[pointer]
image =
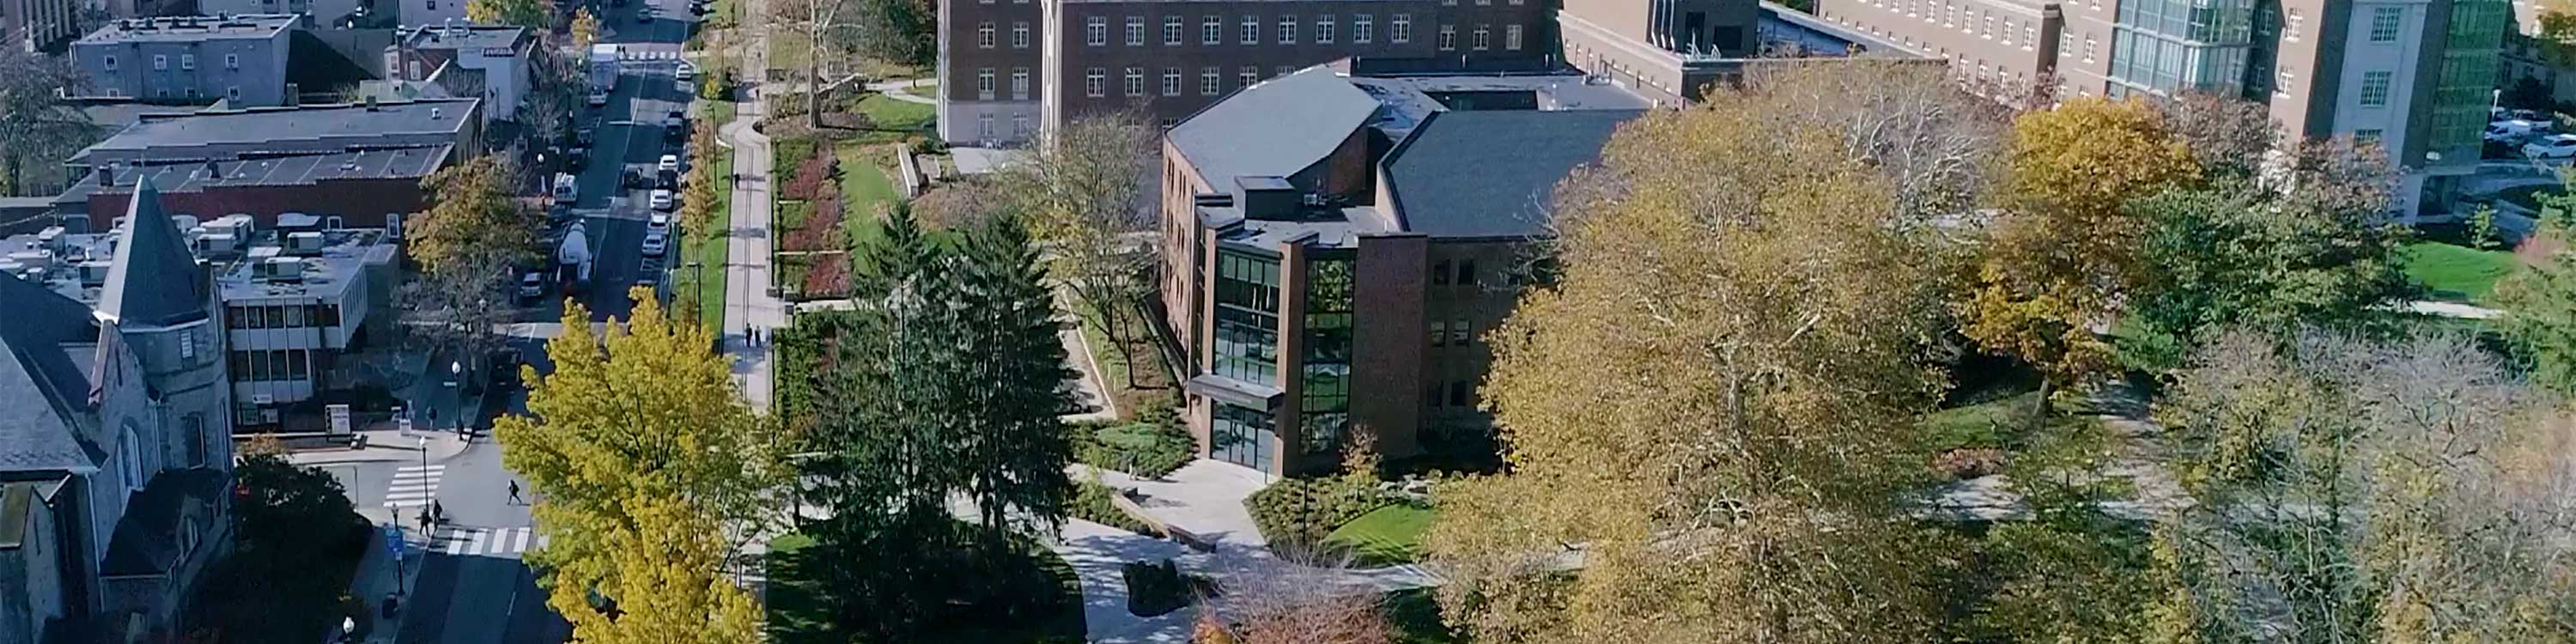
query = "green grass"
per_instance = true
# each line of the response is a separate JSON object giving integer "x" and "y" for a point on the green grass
{"x": 795, "y": 610}
{"x": 1131, "y": 389}
{"x": 1385, "y": 536}
{"x": 709, "y": 247}
{"x": 865, "y": 189}
{"x": 1980, "y": 425}
{"x": 2456, "y": 273}
{"x": 891, "y": 114}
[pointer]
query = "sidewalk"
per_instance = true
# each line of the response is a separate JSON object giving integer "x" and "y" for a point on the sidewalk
{"x": 376, "y": 579}
{"x": 385, "y": 445}
{"x": 749, "y": 302}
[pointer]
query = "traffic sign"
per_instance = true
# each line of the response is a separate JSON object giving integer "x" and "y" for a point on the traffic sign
{"x": 394, "y": 542}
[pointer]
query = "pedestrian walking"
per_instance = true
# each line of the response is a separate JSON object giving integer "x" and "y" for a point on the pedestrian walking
{"x": 514, "y": 493}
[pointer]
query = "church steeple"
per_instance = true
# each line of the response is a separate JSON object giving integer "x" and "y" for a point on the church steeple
{"x": 154, "y": 280}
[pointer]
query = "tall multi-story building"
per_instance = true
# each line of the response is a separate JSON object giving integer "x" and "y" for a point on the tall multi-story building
{"x": 39, "y": 25}
{"x": 1334, "y": 243}
{"x": 2414, "y": 76}
{"x": 191, "y": 59}
{"x": 1009, "y": 67}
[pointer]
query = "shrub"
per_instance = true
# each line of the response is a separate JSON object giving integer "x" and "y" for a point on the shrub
{"x": 1154, "y": 588}
{"x": 828, "y": 278}
{"x": 1295, "y": 514}
{"x": 1091, "y": 502}
{"x": 1964, "y": 464}
{"x": 1143, "y": 450}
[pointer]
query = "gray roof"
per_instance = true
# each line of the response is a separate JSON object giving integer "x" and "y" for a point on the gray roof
{"x": 147, "y": 537}
{"x": 154, "y": 280}
{"x": 306, "y": 128}
{"x": 191, "y": 28}
{"x": 1492, "y": 173}
{"x": 287, "y": 170}
{"x": 1275, "y": 128}
{"x": 42, "y": 385}
{"x": 465, "y": 37}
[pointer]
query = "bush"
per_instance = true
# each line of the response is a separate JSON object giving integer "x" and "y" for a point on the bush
{"x": 1964, "y": 464}
{"x": 1143, "y": 450}
{"x": 1154, "y": 588}
{"x": 1295, "y": 514}
{"x": 1092, "y": 502}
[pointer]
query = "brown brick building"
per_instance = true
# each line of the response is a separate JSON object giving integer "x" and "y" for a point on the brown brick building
{"x": 1009, "y": 67}
{"x": 1335, "y": 244}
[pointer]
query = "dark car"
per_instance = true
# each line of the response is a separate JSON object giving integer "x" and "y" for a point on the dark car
{"x": 505, "y": 367}
{"x": 636, "y": 180}
{"x": 667, "y": 179}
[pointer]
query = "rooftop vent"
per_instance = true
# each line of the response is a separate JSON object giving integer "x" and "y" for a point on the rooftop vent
{"x": 1265, "y": 197}
{"x": 93, "y": 273}
{"x": 304, "y": 243}
{"x": 435, "y": 113}
{"x": 287, "y": 270}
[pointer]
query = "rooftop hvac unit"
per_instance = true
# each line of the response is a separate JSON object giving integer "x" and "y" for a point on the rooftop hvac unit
{"x": 93, "y": 273}
{"x": 283, "y": 269}
{"x": 304, "y": 243}
{"x": 51, "y": 238}
{"x": 38, "y": 259}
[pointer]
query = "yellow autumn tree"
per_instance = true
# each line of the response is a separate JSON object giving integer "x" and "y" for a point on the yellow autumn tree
{"x": 1708, "y": 415}
{"x": 648, "y": 468}
{"x": 585, "y": 29}
{"x": 474, "y": 221}
{"x": 2064, "y": 247}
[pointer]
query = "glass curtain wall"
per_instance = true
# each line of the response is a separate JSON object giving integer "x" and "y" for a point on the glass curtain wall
{"x": 1325, "y": 402}
{"x": 1242, "y": 435}
{"x": 2471, "y": 47}
{"x": 2170, "y": 46}
{"x": 1247, "y": 318}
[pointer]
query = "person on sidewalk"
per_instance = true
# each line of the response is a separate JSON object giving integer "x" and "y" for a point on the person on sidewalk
{"x": 514, "y": 494}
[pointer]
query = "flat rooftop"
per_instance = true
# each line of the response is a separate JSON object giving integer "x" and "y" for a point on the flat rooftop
{"x": 305, "y": 128}
{"x": 344, "y": 257}
{"x": 465, "y": 37}
{"x": 192, "y": 28}
{"x": 75, "y": 264}
{"x": 288, "y": 170}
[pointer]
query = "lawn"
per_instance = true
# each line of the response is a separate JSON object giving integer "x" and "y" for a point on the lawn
{"x": 1980, "y": 425}
{"x": 891, "y": 114}
{"x": 865, "y": 188}
{"x": 2456, "y": 273}
{"x": 1385, "y": 536}
{"x": 708, "y": 247}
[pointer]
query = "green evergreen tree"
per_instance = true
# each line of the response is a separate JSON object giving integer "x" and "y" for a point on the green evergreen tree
{"x": 1017, "y": 447}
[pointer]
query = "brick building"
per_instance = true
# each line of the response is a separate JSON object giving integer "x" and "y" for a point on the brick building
{"x": 1334, "y": 244}
{"x": 357, "y": 164}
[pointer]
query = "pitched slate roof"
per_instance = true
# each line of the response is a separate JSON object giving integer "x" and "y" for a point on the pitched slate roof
{"x": 1492, "y": 173}
{"x": 147, "y": 537}
{"x": 154, "y": 280}
{"x": 1275, "y": 128}
{"x": 43, "y": 390}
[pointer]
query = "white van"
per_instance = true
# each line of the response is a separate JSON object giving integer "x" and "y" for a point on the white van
{"x": 2509, "y": 131}
{"x": 567, "y": 187}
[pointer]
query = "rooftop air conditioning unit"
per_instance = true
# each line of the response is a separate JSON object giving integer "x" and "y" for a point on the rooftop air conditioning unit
{"x": 284, "y": 269}
{"x": 304, "y": 243}
{"x": 93, "y": 273}
{"x": 38, "y": 259}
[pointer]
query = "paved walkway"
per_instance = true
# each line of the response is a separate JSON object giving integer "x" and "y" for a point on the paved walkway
{"x": 901, "y": 89}
{"x": 749, "y": 302}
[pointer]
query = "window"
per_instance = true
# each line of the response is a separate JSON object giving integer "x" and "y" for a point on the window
{"x": 188, "y": 345}
{"x": 1287, "y": 30}
{"x": 160, "y": 62}
{"x": 1211, "y": 81}
{"x": 1020, "y": 83}
{"x": 1171, "y": 30}
{"x": 2369, "y": 137}
{"x": 984, "y": 35}
{"x": 1324, "y": 29}
{"x": 1135, "y": 31}
{"x": 233, "y": 92}
{"x": 2029, "y": 35}
{"x": 1458, "y": 390}
{"x": 194, "y": 426}
{"x": 1460, "y": 334}
{"x": 1019, "y": 35}
{"x": 1439, "y": 333}
{"x": 1211, "y": 30}
{"x": 2088, "y": 46}
{"x": 1440, "y": 273}
{"x": 1095, "y": 31}
{"x": 2384, "y": 22}
{"x": 1251, "y": 30}
{"x": 1020, "y": 125}
{"x": 1092, "y": 80}
{"x": 984, "y": 83}
{"x": 1171, "y": 81}
{"x": 188, "y": 62}
{"x": 2290, "y": 29}
{"x": 1399, "y": 29}
{"x": 232, "y": 61}
{"x": 1135, "y": 81}
{"x": 1988, "y": 20}
{"x": 1251, "y": 74}
{"x": 1484, "y": 38}
{"x": 2374, "y": 88}
{"x": 1466, "y": 272}
{"x": 1448, "y": 37}
{"x": 1247, "y": 318}
{"x": 1363, "y": 28}
{"x": 109, "y": 64}
{"x": 1282, "y": 70}
{"x": 1512, "y": 37}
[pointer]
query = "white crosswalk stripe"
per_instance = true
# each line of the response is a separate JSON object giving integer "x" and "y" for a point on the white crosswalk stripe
{"x": 486, "y": 541}
{"x": 414, "y": 486}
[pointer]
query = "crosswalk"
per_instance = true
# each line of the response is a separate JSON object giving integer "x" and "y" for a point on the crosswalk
{"x": 460, "y": 540}
{"x": 414, "y": 486}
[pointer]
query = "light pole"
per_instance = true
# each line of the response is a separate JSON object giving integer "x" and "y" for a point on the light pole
{"x": 425, "y": 531}
{"x": 697, "y": 291}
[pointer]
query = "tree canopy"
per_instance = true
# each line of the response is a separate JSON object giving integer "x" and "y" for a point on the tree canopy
{"x": 475, "y": 221}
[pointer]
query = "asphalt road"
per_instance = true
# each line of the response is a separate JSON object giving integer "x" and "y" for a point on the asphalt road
{"x": 630, "y": 136}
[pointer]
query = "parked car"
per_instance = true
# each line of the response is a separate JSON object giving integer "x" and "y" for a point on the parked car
{"x": 567, "y": 187}
{"x": 685, "y": 72}
{"x": 667, "y": 179}
{"x": 655, "y": 243}
{"x": 2511, "y": 130}
{"x": 2555, "y": 146}
{"x": 662, "y": 200}
{"x": 532, "y": 285}
{"x": 660, "y": 222}
{"x": 669, "y": 162}
{"x": 598, "y": 96}
{"x": 635, "y": 180}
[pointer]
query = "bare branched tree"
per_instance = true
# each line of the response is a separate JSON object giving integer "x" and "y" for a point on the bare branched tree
{"x": 1286, "y": 603}
{"x": 1079, "y": 189}
{"x": 2228, "y": 136}
{"x": 37, "y": 127}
